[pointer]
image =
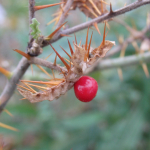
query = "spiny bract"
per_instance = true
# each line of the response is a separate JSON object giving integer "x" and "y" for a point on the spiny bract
{"x": 82, "y": 58}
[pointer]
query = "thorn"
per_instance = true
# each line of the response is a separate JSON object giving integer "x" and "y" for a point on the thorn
{"x": 8, "y": 127}
{"x": 87, "y": 54}
{"x": 62, "y": 9}
{"x": 48, "y": 56}
{"x": 86, "y": 39}
{"x": 120, "y": 39}
{"x": 55, "y": 60}
{"x": 91, "y": 11}
{"x": 63, "y": 73}
{"x": 136, "y": 47}
{"x": 92, "y": 28}
{"x": 42, "y": 69}
{"x": 10, "y": 114}
{"x": 148, "y": 19}
{"x": 24, "y": 88}
{"x": 68, "y": 61}
{"x": 103, "y": 42}
{"x": 57, "y": 13}
{"x": 133, "y": 24}
{"x": 104, "y": 2}
{"x": 65, "y": 35}
{"x": 75, "y": 38}
{"x": 96, "y": 27}
{"x": 51, "y": 21}
{"x": 107, "y": 24}
{"x": 70, "y": 64}
{"x": 22, "y": 98}
{"x": 67, "y": 66}
{"x": 122, "y": 53}
{"x": 65, "y": 52}
{"x": 111, "y": 11}
{"x": 71, "y": 50}
{"x": 102, "y": 7}
{"x": 22, "y": 53}
{"x": 49, "y": 85}
{"x": 85, "y": 57}
{"x": 32, "y": 69}
{"x": 33, "y": 91}
{"x": 53, "y": 73}
{"x": 58, "y": 17}
{"x": 80, "y": 42}
{"x": 6, "y": 73}
{"x": 120, "y": 74}
{"x": 89, "y": 45}
{"x": 37, "y": 86}
{"x": 57, "y": 21}
{"x": 91, "y": 1}
{"x": 41, "y": 82}
{"x": 45, "y": 6}
{"x": 144, "y": 66}
{"x": 106, "y": 34}
{"x": 51, "y": 35}
{"x": 60, "y": 79}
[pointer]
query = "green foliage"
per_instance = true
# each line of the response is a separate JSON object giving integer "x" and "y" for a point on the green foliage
{"x": 35, "y": 30}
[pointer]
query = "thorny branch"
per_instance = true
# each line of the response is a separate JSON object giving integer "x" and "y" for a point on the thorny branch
{"x": 11, "y": 84}
{"x": 127, "y": 41}
{"x": 98, "y": 20}
{"x": 138, "y": 35}
{"x": 106, "y": 16}
{"x": 64, "y": 13}
{"x": 120, "y": 62}
{"x": 20, "y": 69}
{"x": 123, "y": 61}
{"x": 24, "y": 64}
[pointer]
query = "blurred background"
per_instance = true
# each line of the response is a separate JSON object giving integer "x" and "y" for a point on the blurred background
{"x": 118, "y": 117}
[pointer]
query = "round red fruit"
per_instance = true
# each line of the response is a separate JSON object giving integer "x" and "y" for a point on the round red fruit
{"x": 85, "y": 88}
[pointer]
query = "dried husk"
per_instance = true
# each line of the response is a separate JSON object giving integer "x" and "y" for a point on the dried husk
{"x": 81, "y": 61}
{"x": 91, "y": 8}
{"x": 90, "y": 11}
{"x": 49, "y": 94}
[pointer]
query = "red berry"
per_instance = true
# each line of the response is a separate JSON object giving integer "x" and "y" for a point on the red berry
{"x": 85, "y": 88}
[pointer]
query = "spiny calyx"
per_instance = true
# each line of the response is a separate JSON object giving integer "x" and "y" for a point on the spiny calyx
{"x": 82, "y": 58}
